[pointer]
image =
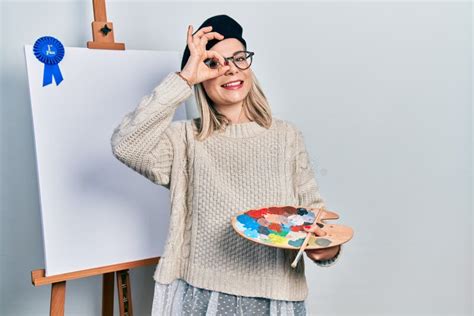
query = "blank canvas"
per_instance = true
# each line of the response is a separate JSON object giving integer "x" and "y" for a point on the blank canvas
{"x": 95, "y": 210}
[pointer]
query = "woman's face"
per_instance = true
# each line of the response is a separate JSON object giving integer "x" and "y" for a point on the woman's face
{"x": 220, "y": 95}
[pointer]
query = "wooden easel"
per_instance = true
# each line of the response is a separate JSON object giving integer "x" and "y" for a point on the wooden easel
{"x": 102, "y": 31}
{"x": 120, "y": 271}
{"x": 103, "y": 38}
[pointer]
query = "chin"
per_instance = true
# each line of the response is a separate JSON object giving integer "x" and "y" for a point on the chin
{"x": 231, "y": 101}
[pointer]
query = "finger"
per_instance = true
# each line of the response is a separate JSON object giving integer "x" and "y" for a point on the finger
{"x": 317, "y": 257}
{"x": 211, "y": 35}
{"x": 208, "y": 36}
{"x": 315, "y": 251}
{"x": 319, "y": 231}
{"x": 311, "y": 228}
{"x": 221, "y": 70}
{"x": 200, "y": 32}
{"x": 202, "y": 42}
{"x": 215, "y": 55}
{"x": 315, "y": 229}
{"x": 190, "y": 38}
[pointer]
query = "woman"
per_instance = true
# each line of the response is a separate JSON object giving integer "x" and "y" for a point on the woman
{"x": 234, "y": 157}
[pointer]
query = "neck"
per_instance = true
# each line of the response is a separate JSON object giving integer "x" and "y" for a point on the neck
{"x": 235, "y": 113}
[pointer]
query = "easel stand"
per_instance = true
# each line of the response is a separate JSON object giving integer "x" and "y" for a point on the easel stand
{"x": 103, "y": 38}
{"x": 102, "y": 31}
{"x": 120, "y": 271}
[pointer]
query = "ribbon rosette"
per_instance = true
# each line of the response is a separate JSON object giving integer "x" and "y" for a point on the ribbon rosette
{"x": 50, "y": 52}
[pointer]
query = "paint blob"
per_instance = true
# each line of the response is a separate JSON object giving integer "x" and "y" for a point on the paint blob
{"x": 279, "y": 226}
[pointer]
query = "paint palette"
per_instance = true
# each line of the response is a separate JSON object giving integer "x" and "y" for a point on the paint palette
{"x": 282, "y": 227}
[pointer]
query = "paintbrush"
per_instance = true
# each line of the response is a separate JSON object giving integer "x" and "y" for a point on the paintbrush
{"x": 305, "y": 242}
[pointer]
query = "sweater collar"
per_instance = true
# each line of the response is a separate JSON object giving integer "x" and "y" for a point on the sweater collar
{"x": 242, "y": 130}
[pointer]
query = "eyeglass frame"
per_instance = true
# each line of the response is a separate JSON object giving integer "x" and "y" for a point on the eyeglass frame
{"x": 226, "y": 59}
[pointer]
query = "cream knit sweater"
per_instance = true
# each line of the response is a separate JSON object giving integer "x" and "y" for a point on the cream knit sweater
{"x": 246, "y": 166}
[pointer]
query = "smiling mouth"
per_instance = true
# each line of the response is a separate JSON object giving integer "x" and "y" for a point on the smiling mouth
{"x": 233, "y": 85}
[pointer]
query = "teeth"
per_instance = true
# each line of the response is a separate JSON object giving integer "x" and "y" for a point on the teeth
{"x": 233, "y": 84}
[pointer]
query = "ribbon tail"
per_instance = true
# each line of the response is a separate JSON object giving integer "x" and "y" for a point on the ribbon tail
{"x": 47, "y": 75}
{"x": 58, "y": 77}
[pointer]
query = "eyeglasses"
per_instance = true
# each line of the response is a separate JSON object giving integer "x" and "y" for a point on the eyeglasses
{"x": 241, "y": 59}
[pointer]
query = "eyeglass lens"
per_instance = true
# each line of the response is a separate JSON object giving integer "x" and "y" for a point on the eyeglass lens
{"x": 242, "y": 60}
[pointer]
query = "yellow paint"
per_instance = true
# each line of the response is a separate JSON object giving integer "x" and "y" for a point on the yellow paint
{"x": 276, "y": 239}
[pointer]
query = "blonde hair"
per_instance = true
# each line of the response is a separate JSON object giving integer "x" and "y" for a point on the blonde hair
{"x": 255, "y": 105}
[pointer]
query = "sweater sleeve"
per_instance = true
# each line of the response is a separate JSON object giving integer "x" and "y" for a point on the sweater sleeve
{"x": 145, "y": 137}
{"x": 307, "y": 187}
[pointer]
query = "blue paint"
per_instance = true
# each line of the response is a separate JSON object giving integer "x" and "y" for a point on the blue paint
{"x": 296, "y": 243}
{"x": 263, "y": 230}
{"x": 248, "y": 221}
{"x": 252, "y": 233}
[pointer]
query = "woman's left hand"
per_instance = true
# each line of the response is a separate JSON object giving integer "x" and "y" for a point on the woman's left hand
{"x": 321, "y": 254}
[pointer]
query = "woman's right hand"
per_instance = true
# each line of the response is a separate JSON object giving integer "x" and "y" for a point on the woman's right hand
{"x": 195, "y": 70}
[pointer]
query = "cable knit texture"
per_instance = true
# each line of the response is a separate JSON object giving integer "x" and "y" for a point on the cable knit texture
{"x": 245, "y": 166}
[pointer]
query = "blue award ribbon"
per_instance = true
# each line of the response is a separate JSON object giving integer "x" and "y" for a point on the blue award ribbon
{"x": 50, "y": 52}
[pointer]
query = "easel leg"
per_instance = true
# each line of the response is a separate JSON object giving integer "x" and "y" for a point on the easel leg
{"x": 124, "y": 293}
{"x": 108, "y": 294}
{"x": 58, "y": 296}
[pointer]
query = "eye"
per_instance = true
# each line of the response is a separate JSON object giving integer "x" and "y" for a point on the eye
{"x": 211, "y": 63}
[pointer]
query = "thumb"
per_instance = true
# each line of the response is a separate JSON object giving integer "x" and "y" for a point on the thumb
{"x": 221, "y": 70}
{"x": 315, "y": 229}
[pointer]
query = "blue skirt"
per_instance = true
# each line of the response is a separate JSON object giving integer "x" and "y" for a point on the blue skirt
{"x": 181, "y": 298}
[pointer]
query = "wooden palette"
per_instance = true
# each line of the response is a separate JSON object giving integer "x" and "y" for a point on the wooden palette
{"x": 282, "y": 227}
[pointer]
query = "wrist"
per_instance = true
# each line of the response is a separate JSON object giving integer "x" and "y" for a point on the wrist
{"x": 185, "y": 78}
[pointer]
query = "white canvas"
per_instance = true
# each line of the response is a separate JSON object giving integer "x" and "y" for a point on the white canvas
{"x": 95, "y": 210}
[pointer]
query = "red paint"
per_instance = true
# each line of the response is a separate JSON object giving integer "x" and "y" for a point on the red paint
{"x": 276, "y": 210}
{"x": 297, "y": 228}
{"x": 275, "y": 227}
{"x": 257, "y": 213}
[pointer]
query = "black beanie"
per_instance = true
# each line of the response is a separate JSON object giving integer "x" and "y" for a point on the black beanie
{"x": 222, "y": 24}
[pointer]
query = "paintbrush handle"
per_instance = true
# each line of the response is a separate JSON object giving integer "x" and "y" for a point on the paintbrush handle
{"x": 305, "y": 242}
{"x": 300, "y": 252}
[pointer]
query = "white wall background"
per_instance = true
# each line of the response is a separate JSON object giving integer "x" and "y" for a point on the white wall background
{"x": 382, "y": 92}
